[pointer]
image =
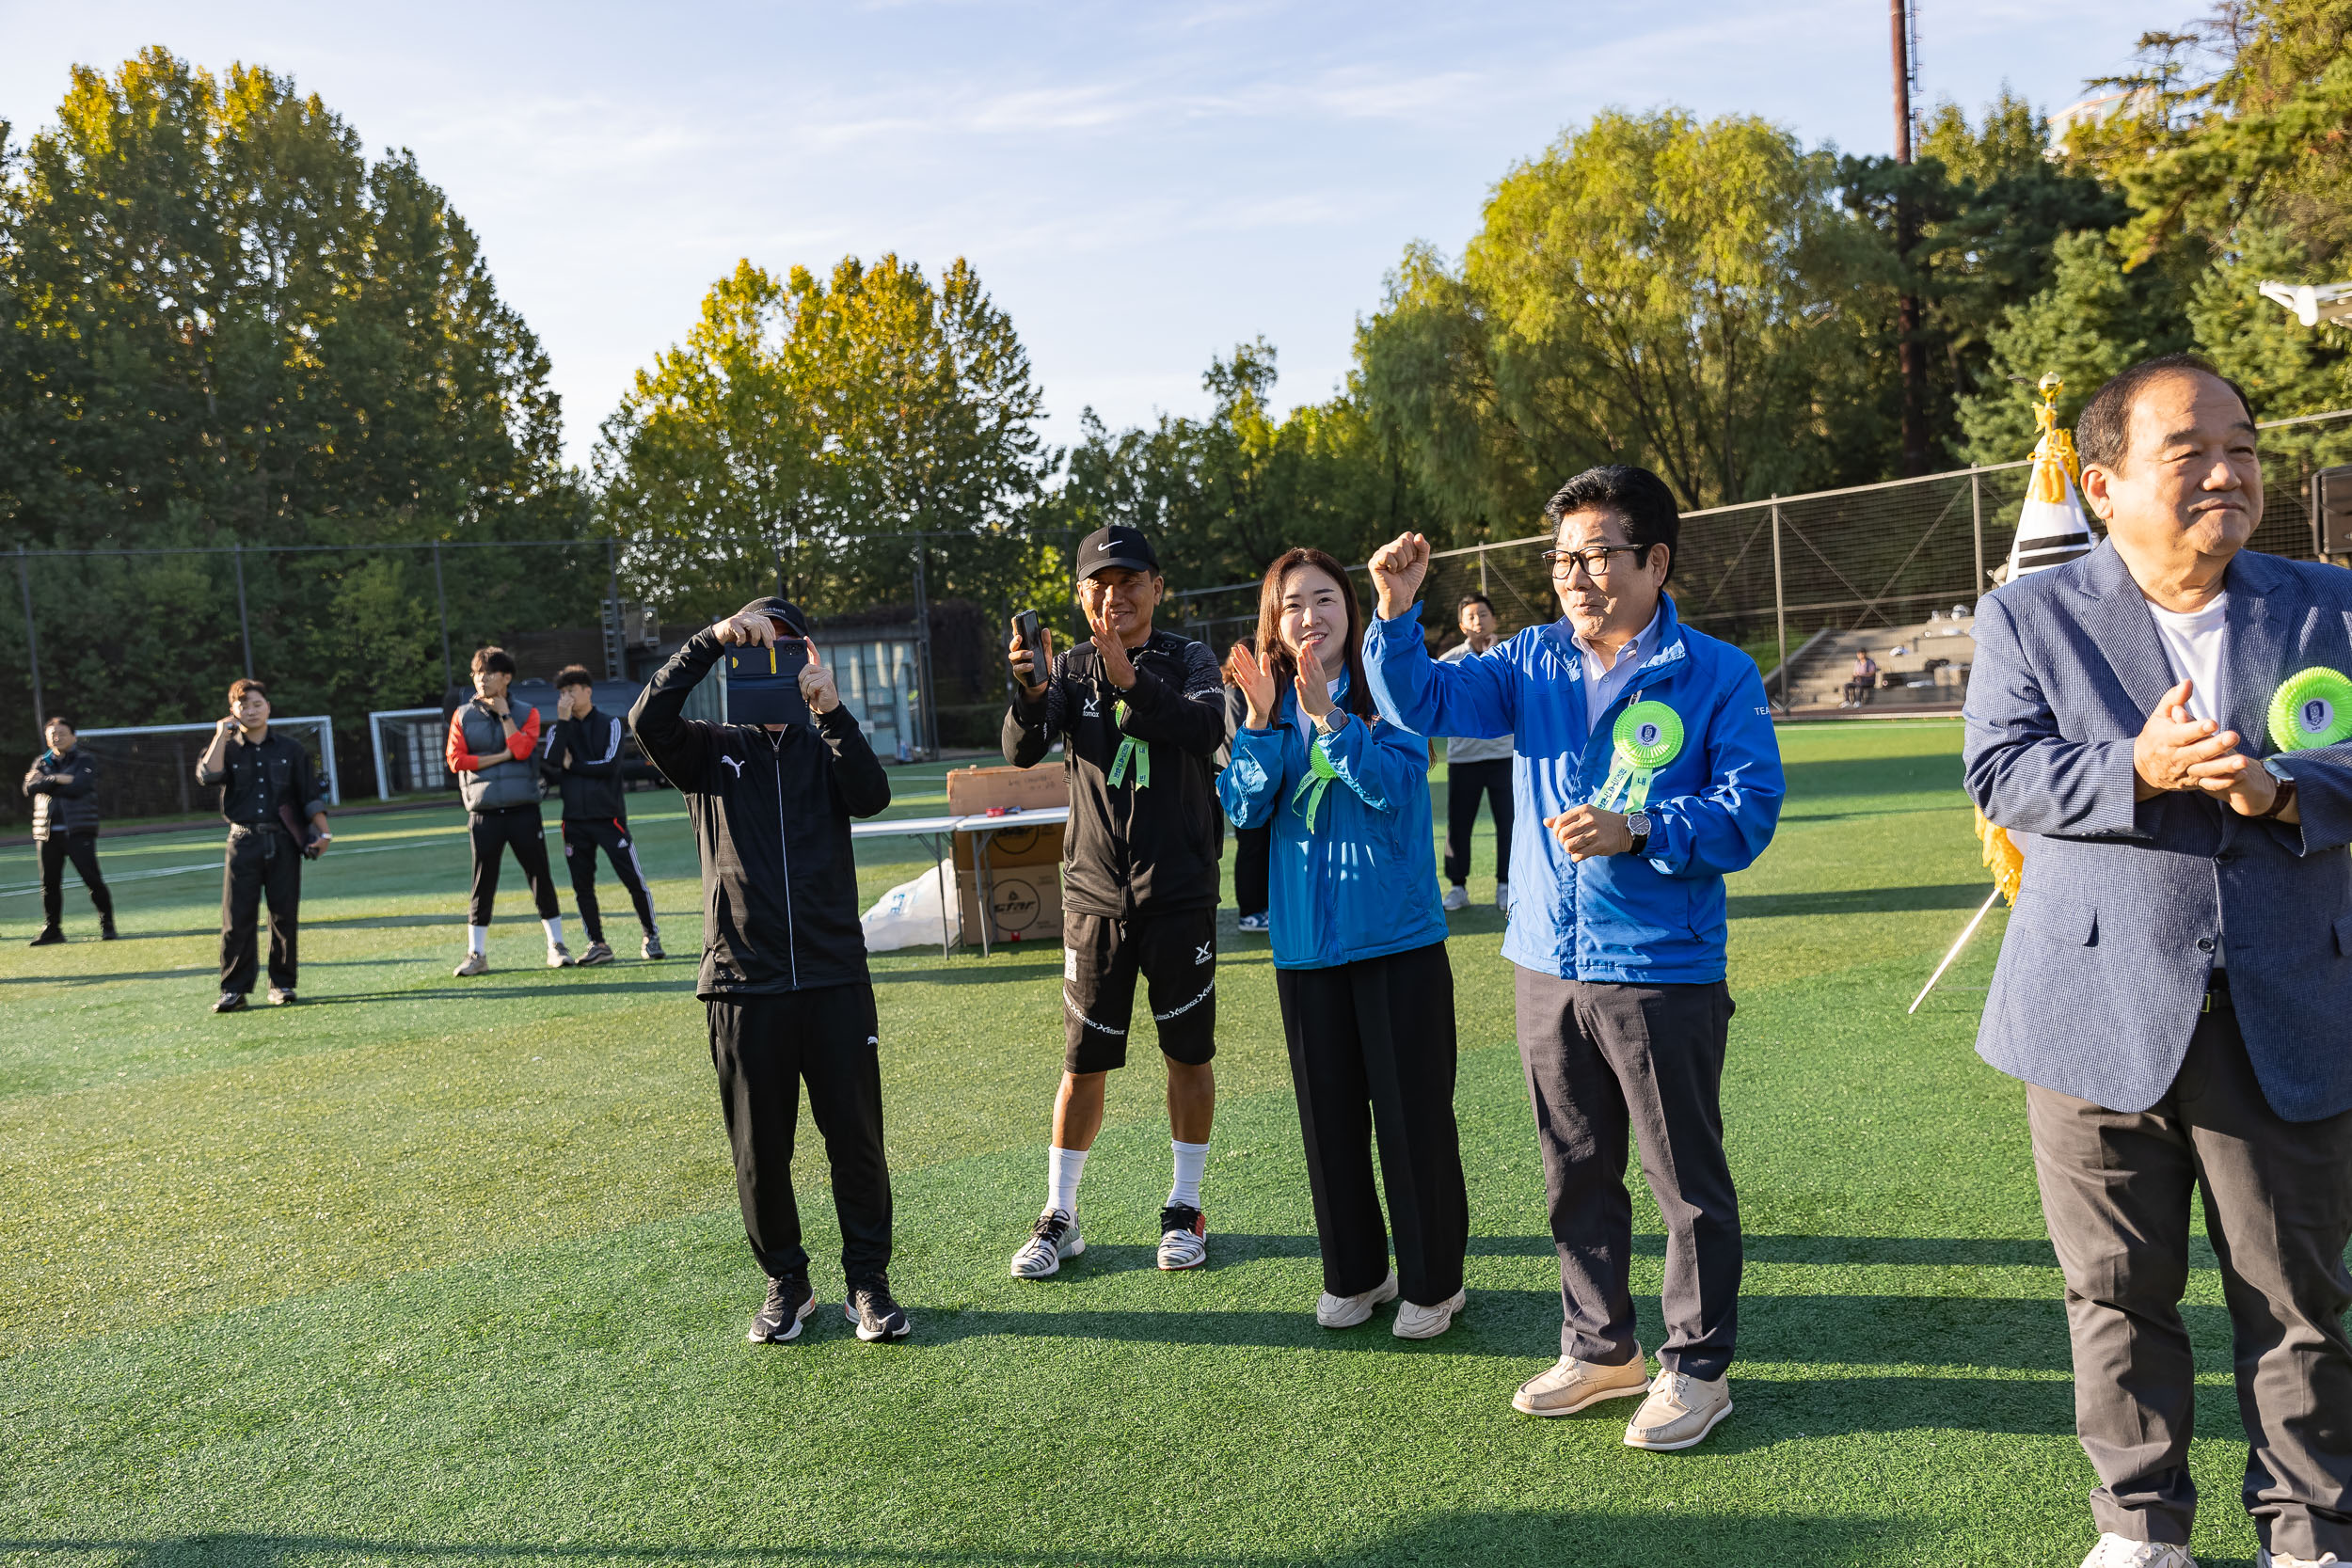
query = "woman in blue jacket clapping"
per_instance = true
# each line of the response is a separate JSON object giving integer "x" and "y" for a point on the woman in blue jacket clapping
{"x": 1359, "y": 949}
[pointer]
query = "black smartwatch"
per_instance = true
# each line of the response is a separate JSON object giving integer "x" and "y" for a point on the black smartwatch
{"x": 1637, "y": 823}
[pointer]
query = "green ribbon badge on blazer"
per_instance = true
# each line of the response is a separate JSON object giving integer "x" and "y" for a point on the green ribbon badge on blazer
{"x": 1647, "y": 737}
{"x": 1319, "y": 776}
{"x": 2313, "y": 708}
{"x": 1130, "y": 750}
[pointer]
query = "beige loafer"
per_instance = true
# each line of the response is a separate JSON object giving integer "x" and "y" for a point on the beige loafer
{"x": 1414, "y": 1321}
{"x": 1680, "y": 1411}
{"x": 1572, "y": 1385}
{"x": 1347, "y": 1312}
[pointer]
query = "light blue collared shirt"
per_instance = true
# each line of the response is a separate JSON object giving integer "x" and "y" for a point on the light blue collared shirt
{"x": 1602, "y": 682}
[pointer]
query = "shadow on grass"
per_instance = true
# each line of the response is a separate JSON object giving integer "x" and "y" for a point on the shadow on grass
{"x": 1859, "y": 900}
{"x": 182, "y": 974}
{"x": 1893, "y": 775}
{"x": 550, "y": 990}
{"x": 1596, "y": 1539}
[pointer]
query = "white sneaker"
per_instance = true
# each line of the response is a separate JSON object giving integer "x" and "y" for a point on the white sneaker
{"x": 2119, "y": 1551}
{"x": 2265, "y": 1557}
{"x": 1056, "y": 1238}
{"x": 1502, "y": 898}
{"x": 1347, "y": 1312}
{"x": 1184, "y": 1237}
{"x": 476, "y": 964}
{"x": 1456, "y": 898}
{"x": 559, "y": 955}
{"x": 1415, "y": 1321}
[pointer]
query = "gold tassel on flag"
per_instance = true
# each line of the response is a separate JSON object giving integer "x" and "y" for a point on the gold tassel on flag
{"x": 2002, "y": 857}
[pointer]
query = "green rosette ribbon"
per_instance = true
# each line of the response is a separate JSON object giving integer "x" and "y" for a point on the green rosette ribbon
{"x": 1647, "y": 737}
{"x": 2312, "y": 709}
{"x": 1319, "y": 776}
{"x": 1131, "y": 751}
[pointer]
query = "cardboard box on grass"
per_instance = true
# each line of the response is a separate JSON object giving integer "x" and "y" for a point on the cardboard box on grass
{"x": 1023, "y": 863}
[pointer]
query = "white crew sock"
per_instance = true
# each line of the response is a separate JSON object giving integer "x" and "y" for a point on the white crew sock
{"x": 555, "y": 930}
{"x": 1191, "y": 1158}
{"x": 1063, "y": 1168}
{"x": 478, "y": 939}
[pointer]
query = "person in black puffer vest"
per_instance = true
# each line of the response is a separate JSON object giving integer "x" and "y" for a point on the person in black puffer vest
{"x": 491, "y": 754}
{"x": 582, "y": 759}
{"x": 63, "y": 782}
{"x": 783, "y": 975}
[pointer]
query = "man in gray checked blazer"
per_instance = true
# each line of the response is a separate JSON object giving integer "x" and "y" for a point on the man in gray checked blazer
{"x": 2175, "y": 988}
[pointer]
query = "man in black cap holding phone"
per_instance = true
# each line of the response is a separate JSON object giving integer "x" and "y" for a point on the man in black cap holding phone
{"x": 1141, "y": 717}
{"x": 783, "y": 974}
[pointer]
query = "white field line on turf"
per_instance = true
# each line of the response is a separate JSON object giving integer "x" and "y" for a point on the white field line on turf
{"x": 209, "y": 865}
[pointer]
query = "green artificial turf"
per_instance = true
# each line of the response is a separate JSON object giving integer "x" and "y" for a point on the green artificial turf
{"x": 425, "y": 1271}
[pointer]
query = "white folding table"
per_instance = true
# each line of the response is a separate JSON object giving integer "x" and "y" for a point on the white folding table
{"x": 983, "y": 828}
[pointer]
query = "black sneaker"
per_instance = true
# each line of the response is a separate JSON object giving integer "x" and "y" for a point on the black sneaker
{"x": 50, "y": 935}
{"x": 790, "y": 1302}
{"x": 106, "y": 931}
{"x": 876, "y": 1315}
{"x": 230, "y": 1002}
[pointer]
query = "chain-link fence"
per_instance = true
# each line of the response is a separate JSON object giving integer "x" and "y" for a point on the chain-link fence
{"x": 1770, "y": 575}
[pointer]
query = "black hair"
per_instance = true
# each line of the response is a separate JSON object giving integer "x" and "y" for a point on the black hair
{"x": 2103, "y": 431}
{"x": 493, "y": 661}
{"x": 1473, "y": 596}
{"x": 61, "y": 719}
{"x": 1639, "y": 498}
{"x": 574, "y": 674}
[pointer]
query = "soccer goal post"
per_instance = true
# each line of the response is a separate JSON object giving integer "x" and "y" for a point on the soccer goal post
{"x": 408, "y": 743}
{"x": 150, "y": 769}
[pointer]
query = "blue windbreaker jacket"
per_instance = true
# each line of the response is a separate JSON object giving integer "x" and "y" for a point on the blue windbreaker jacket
{"x": 1654, "y": 921}
{"x": 1364, "y": 883}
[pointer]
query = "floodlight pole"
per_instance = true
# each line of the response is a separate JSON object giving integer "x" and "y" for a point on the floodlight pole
{"x": 1976, "y": 515}
{"x": 617, "y": 661}
{"x": 244, "y": 626}
{"x": 441, "y": 596}
{"x": 1780, "y": 608}
{"x": 32, "y": 646}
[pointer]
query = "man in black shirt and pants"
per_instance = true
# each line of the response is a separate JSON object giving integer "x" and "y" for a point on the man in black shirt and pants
{"x": 268, "y": 787}
{"x": 1141, "y": 717}
{"x": 63, "y": 782}
{"x": 582, "y": 759}
{"x": 783, "y": 972}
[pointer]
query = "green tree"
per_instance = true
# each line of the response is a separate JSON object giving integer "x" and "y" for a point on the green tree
{"x": 224, "y": 325}
{"x": 2093, "y": 319}
{"x": 807, "y": 431}
{"x": 1651, "y": 290}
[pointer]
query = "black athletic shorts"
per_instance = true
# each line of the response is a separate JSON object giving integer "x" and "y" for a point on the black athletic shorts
{"x": 1176, "y": 954}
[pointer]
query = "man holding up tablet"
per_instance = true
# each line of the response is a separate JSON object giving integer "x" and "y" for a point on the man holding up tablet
{"x": 784, "y": 977}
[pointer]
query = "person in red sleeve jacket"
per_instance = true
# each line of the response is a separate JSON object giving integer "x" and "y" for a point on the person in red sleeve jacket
{"x": 491, "y": 755}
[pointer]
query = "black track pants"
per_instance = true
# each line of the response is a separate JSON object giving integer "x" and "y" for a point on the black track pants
{"x": 1372, "y": 1048}
{"x": 82, "y": 849}
{"x": 519, "y": 828}
{"x": 1253, "y": 868}
{"x": 764, "y": 1048}
{"x": 582, "y": 837}
{"x": 1465, "y": 785}
{"x": 260, "y": 863}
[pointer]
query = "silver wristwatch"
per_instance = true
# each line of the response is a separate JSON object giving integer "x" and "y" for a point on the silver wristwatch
{"x": 1637, "y": 823}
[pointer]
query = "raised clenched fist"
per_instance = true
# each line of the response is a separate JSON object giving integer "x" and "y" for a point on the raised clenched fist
{"x": 1397, "y": 569}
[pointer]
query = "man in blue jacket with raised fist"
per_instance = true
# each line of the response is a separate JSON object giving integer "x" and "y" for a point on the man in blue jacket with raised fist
{"x": 1646, "y": 749}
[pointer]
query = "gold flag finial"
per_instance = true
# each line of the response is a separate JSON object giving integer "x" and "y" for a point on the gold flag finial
{"x": 2055, "y": 449}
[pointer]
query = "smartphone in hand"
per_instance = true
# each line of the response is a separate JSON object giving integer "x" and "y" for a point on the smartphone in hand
{"x": 1028, "y": 628}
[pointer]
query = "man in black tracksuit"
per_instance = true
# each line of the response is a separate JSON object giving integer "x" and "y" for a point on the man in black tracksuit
{"x": 582, "y": 759}
{"x": 1142, "y": 715}
{"x": 783, "y": 974}
{"x": 63, "y": 782}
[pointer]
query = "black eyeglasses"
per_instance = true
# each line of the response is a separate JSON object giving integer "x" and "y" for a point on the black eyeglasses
{"x": 1593, "y": 557}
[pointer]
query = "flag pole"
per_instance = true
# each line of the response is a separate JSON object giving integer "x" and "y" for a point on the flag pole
{"x": 1969, "y": 931}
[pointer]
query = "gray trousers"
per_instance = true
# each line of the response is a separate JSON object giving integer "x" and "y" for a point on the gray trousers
{"x": 2115, "y": 1190}
{"x": 1605, "y": 1060}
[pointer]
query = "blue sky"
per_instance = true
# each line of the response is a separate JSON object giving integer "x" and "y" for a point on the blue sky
{"x": 1142, "y": 186}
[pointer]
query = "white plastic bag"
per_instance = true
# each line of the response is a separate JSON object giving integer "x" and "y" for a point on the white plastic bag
{"x": 907, "y": 915}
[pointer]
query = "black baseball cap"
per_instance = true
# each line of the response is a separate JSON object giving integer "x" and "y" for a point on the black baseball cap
{"x": 783, "y": 611}
{"x": 1115, "y": 545}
